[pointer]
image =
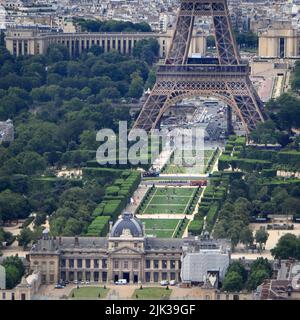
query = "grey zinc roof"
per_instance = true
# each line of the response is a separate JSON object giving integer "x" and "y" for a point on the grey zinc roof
{"x": 64, "y": 243}
{"x": 128, "y": 221}
{"x": 164, "y": 243}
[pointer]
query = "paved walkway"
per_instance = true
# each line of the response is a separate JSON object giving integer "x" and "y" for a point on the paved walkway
{"x": 138, "y": 196}
{"x": 164, "y": 216}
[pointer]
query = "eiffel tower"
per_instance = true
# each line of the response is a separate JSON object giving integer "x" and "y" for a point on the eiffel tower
{"x": 225, "y": 77}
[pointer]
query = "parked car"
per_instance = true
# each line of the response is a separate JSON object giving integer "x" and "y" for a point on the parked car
{"x": 75, "y": 281}
{"x": 164, "y": 282}
{"x": 172, "y": 282}
{"x": 121, "y": 282}
{"x": 59, "y": 286}
{"x": 87, "y": 282}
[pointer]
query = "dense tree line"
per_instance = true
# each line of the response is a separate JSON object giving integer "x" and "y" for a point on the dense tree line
{"x": 249, "y": 198}
{"x": 111, "y": 26}
{"x": 57, "y": 105}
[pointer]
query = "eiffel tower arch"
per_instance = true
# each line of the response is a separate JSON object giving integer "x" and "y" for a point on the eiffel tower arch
{"x": 225, "y": 77}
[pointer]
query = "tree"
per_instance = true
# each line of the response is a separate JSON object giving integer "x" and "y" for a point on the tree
{"x": 260, "y": 270}
{"x": 13, "y": 206}
{"x": 25, "y": 237}
{"x": 136, "y": 87}
{"x": 256, "y": 278}
{"x": 246, "y": 236}
{"x": 238, "y": 267}
{"x": 88, "y": 140}
{"x": 287, "y": 247}
{"x": 261, "y": 237}
{"x": 14, "y": 269}
{"x": 232, "y": 282}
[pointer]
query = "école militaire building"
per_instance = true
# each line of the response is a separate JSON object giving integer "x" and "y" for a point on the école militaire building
{"x": 126, "y": 253}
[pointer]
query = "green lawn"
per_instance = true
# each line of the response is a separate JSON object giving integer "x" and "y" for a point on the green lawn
{"x": 170, "y": 200}
{"x": 162, "y": 228}
{"x": 197, "y": 168}
{"x": 151, "y": 293}
{"x": 88, "y": 293}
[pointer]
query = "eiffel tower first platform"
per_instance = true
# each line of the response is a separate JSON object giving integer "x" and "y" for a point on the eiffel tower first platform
{"x": 225, "y": 77}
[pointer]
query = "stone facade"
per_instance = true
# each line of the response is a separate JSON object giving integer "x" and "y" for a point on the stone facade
{"x": 280, "y": 40}
{"x": 31, "y": 42}
{"x": 125, "y": 254}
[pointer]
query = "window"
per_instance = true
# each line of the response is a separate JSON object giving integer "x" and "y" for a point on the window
{"x": 104, "y": 263}
{"x": 44, "y": 279}
{"x": 116, "y": 264}
{"x": 79, "y": 263}
{"x": 87, "y": 263}
{"x": 172, "y": 264}
{"x": 218, "y": 296}
{"x": 125, "y": 265}
{"x": 104, "y": 276}
{"x": 96, "y": 276}
{"x": 164, "y": 276}
{"x": 96, "y": 263}
{"x": 51, "y": 278}
{"x": 3, "y": 295}
{"x": 148, "y": 264}
{"x": 20, "y": 47}
{"x": 25, "y": 47}
{"x": 135, "y": 264}
{"x": 172, "y": 276}
{"x": 116, "y": 244}
{"x": 155, "y": 264}
{"x": 236, "y": 297}
{"x": 164, "y": 264}
{"x": 15, "y": 47}
{"x": 155, "y": 276}
{"x": 63, "y": 263}
{"x": 148, "y": 276}
{"x": 282, "y": 47}
{"x": 71, "y": 263}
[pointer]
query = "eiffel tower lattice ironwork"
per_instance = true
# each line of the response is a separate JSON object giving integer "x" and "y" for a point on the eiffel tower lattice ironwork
{"x": 226, "y": 77}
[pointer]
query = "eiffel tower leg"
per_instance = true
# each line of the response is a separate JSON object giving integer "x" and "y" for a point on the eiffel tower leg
{"x": 152, "y": 110}
{"x": 229, "y": 121}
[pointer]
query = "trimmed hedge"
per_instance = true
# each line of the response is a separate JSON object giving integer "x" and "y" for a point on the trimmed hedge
{"x": 196, "y": 227}
{"x": 212, "y": 216}
{"x": 99, "y": 227}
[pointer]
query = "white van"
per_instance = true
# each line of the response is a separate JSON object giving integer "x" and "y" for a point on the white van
{"x": 121, "y": 281}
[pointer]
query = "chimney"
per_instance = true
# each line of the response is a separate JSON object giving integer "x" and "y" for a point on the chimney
{"x": 76, "y": 241}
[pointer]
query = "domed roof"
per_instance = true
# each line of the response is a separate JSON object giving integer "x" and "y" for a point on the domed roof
{"x": 127, "y": 225}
